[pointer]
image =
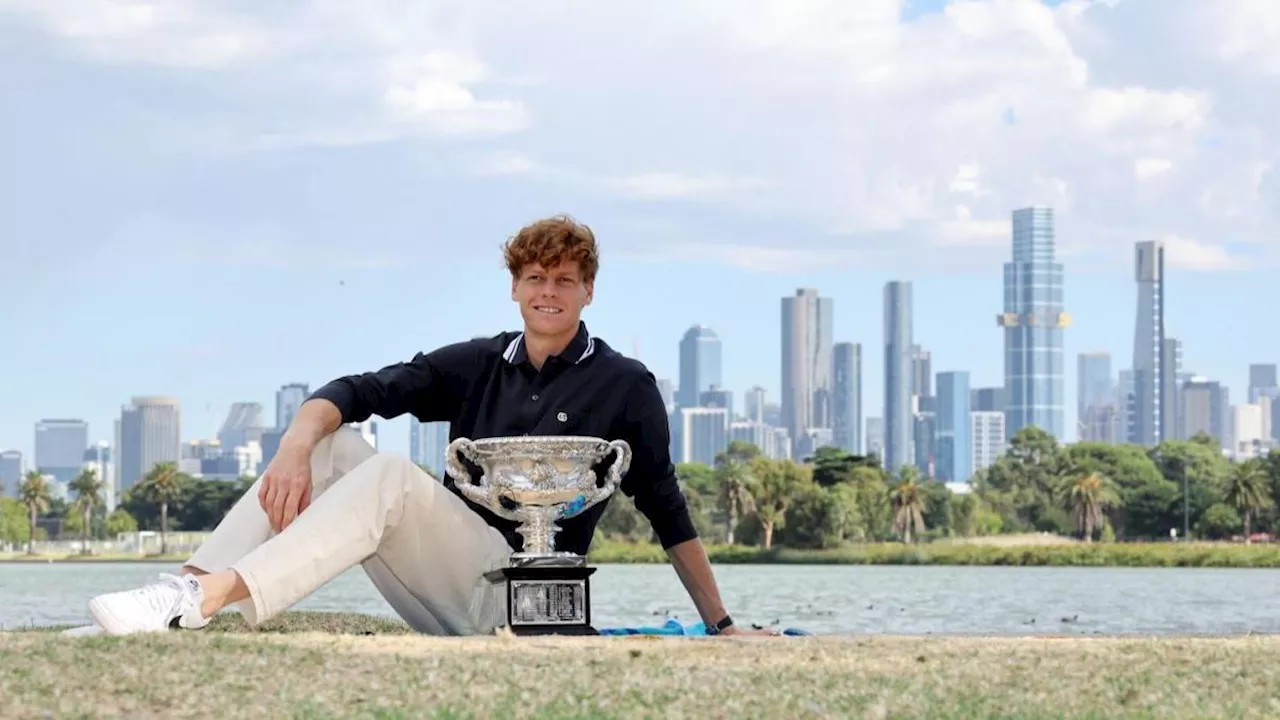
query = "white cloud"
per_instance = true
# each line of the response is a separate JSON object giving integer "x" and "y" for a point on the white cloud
{"x": 1190, "y": 254}
{"x": 658, "y": 185}
{"x": 1133, "y": 119}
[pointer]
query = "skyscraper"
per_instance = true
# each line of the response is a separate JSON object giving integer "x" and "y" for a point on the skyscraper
{"x": 1148, "y": 344}
{"x": 288, "y": 399}
{"x": 427, "y": 441}
{"x": 242, "y": 426}
{"x": 847, "y": 403}
{"x": 807, "y": 330}
{"x": 1262, "y": 378}
{"x": 754, "y": 402}
{"x": 150, "y": 432}
{"x": 954, "y": 437}
{"x": 699, "y": 365}
{"x": 1033, "y": 322}
{"x": 1094, "y": 386}
{"x": 898, "y": 367}
{"x": 60, "y": 446}
{"x": 10, "y": 472}
{"x": 1170, "y": 389}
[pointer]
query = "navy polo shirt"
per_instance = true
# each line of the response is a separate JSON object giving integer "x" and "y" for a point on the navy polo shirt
{"x": 487, "y": 387}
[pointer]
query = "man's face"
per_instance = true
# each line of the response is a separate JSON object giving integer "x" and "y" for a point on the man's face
{"x": 551, "y": 299}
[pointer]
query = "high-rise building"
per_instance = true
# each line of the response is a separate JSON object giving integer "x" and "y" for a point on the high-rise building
{"x": 987, "y": 436}
{"x": 10, "y": 472}
{"x": 427, "y": 443}
{"x": 898, "y": 373}
{"x": 875, "y": 437}
{"x": 700, "y": 359}
{"x": 150, "y": 433}
{"x": 704, "y": 434}
{"x": 289, "y": 399}
{"x": 1034, "y": 321}
{"x": 772, "y": 441}
{"x": 1148, "y": 344}
{"x": 1206, "y": 409}
{"x": 954, "y": 438}
{"x": 716, "y": 396}
{"x": 754, "y": 404}
{"x": 667, "y": 390}
{"x": 1094, "y": 389}
{"x": 807, "y": 329}
{"x": 847, "y": 393}
{"x": 244, "y": 424}
{"x": 988, "y": 399}
{"x": 1170, "y": 388}
{"x": 60, "y": 446}
{"x": 921, "y": 372}
{"x": 98, "y": 459}
{"x": 1262, "y": 378}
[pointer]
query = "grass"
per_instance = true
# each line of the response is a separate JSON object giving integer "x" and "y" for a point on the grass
{"x": 999, "y": 550}
{"x": 308, "y": 665}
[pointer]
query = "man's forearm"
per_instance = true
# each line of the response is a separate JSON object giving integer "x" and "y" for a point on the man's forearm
{"x": 316, "y": 419}
{"x": 689, "y": 558}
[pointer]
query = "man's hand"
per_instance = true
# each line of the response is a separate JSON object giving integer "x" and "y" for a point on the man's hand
{"x": 735, "y": 630}
{"x": 285, "y": 490}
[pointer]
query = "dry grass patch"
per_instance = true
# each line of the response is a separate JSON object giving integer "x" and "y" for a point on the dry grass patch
{"x": 320, "y": 665}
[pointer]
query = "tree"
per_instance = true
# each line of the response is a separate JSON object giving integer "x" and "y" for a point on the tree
{"x": 1198, "y": 465}
{"x": 34, "y": 493}
{"x": 774, "y": 485}
{"x": 1087, "y": 495}
{"x": 907, "y": 501}
{"x": 163, "y": 486}
{"x": 1247, "y": 492}
{"x": 831, "y": 465}
{"x": 88, "y": 489}
{"x": 733, "y": 481}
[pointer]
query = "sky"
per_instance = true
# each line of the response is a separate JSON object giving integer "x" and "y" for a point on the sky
{"x": 211, "y": 199}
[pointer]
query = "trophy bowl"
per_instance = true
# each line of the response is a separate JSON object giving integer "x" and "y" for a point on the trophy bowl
{"x": 537, "y": 480}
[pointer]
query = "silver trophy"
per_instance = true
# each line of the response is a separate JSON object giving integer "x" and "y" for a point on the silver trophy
{"x": 538, "y": 481}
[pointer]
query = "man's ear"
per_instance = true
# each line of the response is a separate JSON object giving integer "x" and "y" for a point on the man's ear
{"x": 514, "y": 282}
{"x": 591, "y": 291}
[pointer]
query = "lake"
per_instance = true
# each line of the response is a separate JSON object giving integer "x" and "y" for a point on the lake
{"x": 905, "y": 600}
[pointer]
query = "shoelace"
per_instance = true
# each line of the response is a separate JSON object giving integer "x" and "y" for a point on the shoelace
{"x": 165, "y": 596}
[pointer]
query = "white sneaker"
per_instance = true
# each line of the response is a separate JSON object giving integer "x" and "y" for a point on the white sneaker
{"x": 174, "y": 602}
{"x": 83, "y": 631}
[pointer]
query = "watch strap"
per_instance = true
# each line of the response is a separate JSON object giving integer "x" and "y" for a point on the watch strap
{"x": 721, "y": 626}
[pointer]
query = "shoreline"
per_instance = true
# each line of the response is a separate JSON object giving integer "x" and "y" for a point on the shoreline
{"x": 940, "y": 553}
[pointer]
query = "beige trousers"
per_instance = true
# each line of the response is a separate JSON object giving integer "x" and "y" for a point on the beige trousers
{"x": 424, "y": 549}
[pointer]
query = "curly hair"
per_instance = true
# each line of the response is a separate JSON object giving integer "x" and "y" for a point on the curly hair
{"x": 551, "y": 241}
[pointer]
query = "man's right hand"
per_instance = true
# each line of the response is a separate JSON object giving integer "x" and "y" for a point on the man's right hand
{"x": 285, "y": 490}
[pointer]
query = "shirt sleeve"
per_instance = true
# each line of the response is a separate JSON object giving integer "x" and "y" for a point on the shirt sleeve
{"x": 651, "y": 481}
{"x": 430, "y": 387}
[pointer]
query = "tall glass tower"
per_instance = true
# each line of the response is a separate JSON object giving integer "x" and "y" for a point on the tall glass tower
{"x": 898, "y": 376}
{"x": 699, "y": 365}
{"x": 1148, "y": 345}
{"x": 1033, "y": 322}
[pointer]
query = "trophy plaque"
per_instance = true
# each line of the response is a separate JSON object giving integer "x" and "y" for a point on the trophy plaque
{"x": 537, "y": 481}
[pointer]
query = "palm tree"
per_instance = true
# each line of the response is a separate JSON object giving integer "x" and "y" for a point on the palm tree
{"x": 163, "y": 486}
{"x": 907, "y": 502}
{"x": 34, "y": 492}
{"x": 1247, "y": 491}
{"x": 88, "y": 489}
{"x": 1087, "y": 496}
{"x": 733, "y": 481}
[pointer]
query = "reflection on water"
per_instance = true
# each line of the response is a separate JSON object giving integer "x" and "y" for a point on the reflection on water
{"x": 822, "y": 599}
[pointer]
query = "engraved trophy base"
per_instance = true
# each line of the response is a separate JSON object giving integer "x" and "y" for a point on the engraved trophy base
{"x": 547, "y": 594}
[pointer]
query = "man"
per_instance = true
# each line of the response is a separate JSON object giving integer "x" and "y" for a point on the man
{"x": 329, "y": 501}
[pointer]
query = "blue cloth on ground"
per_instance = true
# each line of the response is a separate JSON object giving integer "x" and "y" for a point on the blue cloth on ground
{"x": 674, "y": 627}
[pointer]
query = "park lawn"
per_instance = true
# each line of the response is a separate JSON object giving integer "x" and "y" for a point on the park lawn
{"x": 329, "y": 665}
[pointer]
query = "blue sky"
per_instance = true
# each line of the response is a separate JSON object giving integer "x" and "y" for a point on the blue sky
{"x": 212, "y": 199}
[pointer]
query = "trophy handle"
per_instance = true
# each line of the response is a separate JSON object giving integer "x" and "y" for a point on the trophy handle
{"x": 479, "y": 494}
{"x": 612, "y": 479}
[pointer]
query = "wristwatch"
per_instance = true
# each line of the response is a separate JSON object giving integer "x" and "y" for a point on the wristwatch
{"x": 724, "y": 624}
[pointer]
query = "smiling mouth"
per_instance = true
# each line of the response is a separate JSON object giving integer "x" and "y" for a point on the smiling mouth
{"x": 547, "y": 310}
